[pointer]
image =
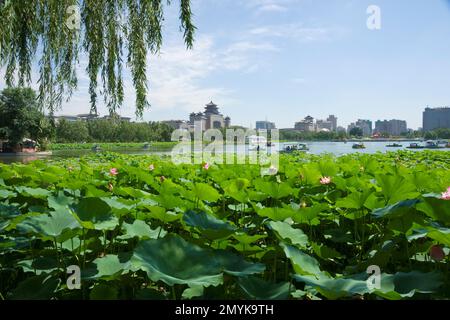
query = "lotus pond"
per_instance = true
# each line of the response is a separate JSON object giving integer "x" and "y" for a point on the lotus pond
{"x": 140, "y": 227}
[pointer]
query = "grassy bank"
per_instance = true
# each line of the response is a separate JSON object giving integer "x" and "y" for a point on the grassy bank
{"x": 108, "y": 146}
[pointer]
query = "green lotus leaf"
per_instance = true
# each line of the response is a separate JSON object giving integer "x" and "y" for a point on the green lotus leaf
{"x": 141, "y": 230}
{"x": 237, "y": 189}
{"x": 236, "y": 265}
{"x": 161, "y": 214}
{"x": 276, "y": 213}
{"x": 37, "y": 193}
{"x": 11, "y": 244}
{"x": 193, "y": 292}
{"x": 39, "y": 265}
{"x": 4, "y": 225}
{"x": 49, "y": 226}
{"x": 259, "y": 289}
{"x": 168, "y": 201}
{"x": 416, "y": 281}
{"x": 247, "y": 239}
{"x": 286, "y": 231}
{"x": 435, "y": 208}
{"x": 355, "y": 200}
{"x": 396, "y": 210}
{"x": 8, "y": 211}
{"x": 396, "y": 189}
{"x": 40, "y": 287}
{"x": 174, "y": 261}
{"x": 393, "y": 287}
{"x": 150, "y": 294}
{"x": 118, "y": 206}
{"x": 335, "y": 288}
{"x": 49, "y": 178}
{"x": 210, "y": 226}
{"x": 104, "y": 291}
{"x": 5, "y": 194}
{"x": 325, "y": 252}
{"x": 60, "y": 202}
{"x": 273, "y": 190}
{"x": 205, "y": 192}
{"x": 302, "y": 263}
{"x": 107, "y": 267}
{"x": 95, "y": 214}
{"x": 440, "y": 234}
{"x": 309, "y": 214}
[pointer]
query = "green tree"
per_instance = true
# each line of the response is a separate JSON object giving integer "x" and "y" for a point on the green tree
{"x": 59, "y": 31}
{"x": 103, "y": 130}
{"x": 356, "y": 132}
{"x": 21, "y": 118}
{"x": 72, "y": 131}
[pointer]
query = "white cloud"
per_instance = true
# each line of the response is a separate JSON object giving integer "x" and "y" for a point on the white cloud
{"x": 295, "y": 31}
{"x": 271, "y": 7}
{"x": 177, "y": 77}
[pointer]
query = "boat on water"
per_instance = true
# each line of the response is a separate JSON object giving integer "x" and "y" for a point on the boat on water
{"x": 96, "y": 148}
{"x": 415, "y": 145}
{"x": 257, "y": 143}
{"x": 432, "y": 145}
{"x": 147, "y": 146}
{"x": 294, "y": 147}
{"x": 394, "y": 145}
{"x": 358, "y": 146}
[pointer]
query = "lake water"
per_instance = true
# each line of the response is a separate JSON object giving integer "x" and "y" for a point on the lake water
{"x": 337, "y": 148}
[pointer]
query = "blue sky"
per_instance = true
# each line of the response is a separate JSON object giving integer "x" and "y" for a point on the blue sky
{"x": 285, "y": 59}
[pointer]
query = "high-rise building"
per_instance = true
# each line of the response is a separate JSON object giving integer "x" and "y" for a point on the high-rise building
{"x": 333, "y": 120}
{"x": 391, "y": 127}
{"x": 306, "y": 124}
{"x": 265, "y": 125}
{"x": 322, "y": 125}
{"x": 366, "y": 126}
{"x": 436, "y": 118}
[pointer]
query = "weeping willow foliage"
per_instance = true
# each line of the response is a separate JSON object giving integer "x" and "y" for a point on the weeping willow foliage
{"x": 114, "y": 35}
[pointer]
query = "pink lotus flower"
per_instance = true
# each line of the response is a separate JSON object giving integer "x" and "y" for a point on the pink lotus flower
{"x": 162, "y": 178}
{"x": 436, "y": 253}
{"x": 206, "y": 166}
{"x": 446, "y": 194}
{"x": 113, "y": 172}
{"x": 325, "y": 180}
{"x": 151, "y": 167}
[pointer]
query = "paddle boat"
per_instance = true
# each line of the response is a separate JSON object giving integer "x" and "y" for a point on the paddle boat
{"x": 432, "y": 145}
{"x": 96, "y": 148}
{"x": 415, "y": 145}
{"x": 394, "y": 145}
{"x": 147, "y": 146}
{"x": 358, "y": 146}
{"x": 257, "y": 143}
{"x": 294, "y": 147}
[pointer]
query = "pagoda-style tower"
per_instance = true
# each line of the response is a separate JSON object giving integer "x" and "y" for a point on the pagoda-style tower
{"x": 211, "y": 118}
{"x": 211, "y": 108}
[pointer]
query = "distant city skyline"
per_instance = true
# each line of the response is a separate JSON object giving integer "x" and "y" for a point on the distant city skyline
{"x": 281, "y": 60}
